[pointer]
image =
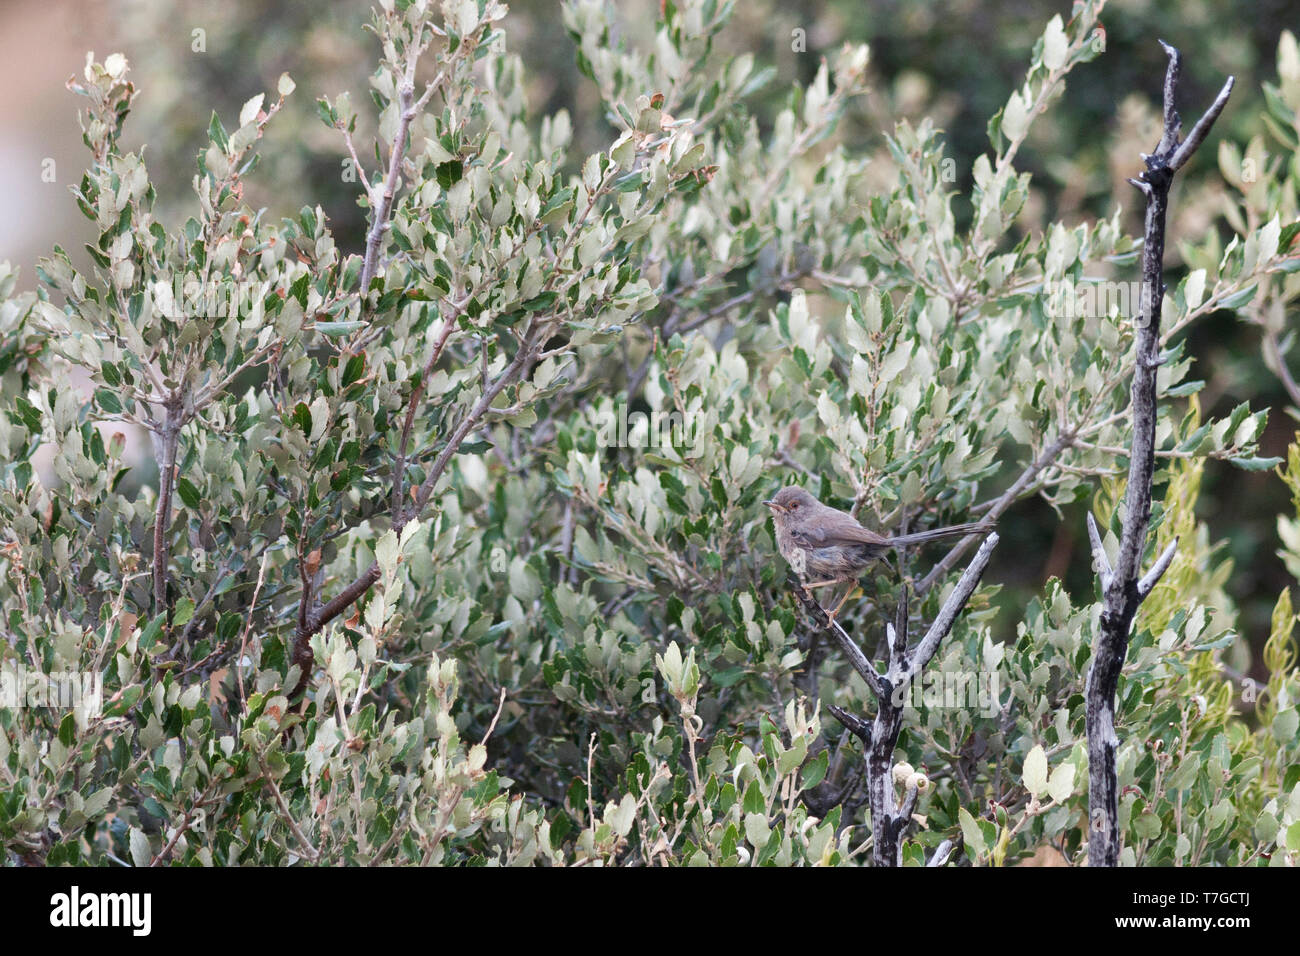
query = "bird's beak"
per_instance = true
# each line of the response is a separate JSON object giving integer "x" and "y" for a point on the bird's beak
{"x": 772, "y": 504}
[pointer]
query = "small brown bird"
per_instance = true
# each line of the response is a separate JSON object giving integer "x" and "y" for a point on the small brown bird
{"x": 826, "y": 546}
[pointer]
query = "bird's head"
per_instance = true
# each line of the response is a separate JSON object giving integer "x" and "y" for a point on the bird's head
{"x": 790, "y": 502}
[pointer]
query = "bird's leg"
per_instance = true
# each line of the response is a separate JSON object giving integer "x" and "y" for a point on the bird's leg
{"x": 853, "y": 586}
{"x": 830, "y": 615}
{"x": 819, "y": 584}
{"x": 807, "y": 589}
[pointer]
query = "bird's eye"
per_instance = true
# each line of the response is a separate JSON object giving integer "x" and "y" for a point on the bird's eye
{"x": 794, "y": 505}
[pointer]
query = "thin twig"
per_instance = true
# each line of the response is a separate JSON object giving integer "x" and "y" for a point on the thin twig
{"x": 311, "y": 852}
{"x": 996, "y": 508}
{"x": 243, "y": 640}
{"x": 168, "y": 439}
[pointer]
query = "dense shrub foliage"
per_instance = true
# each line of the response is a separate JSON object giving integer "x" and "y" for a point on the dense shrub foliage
{"x": 455, "y": 550}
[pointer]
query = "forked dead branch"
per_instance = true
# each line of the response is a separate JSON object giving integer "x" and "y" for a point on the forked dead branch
{"x": 1124, "y": 587}
{"x": 890, "y": 817}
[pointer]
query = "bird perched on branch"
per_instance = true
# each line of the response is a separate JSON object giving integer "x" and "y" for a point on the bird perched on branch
{"x": 827, "y": 546}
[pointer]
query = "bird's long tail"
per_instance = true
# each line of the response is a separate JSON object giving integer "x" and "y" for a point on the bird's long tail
{"x": 921, "y": 537}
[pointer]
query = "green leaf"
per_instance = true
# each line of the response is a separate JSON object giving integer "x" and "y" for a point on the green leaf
{"x": 1147, "y": 826}
{"x": 183, "y": 613}
{"x": 624, "y": 815}
{"x": 1238, "y": 298}
{"x": 336, "y": 329}
{"x": 541, "y": 302}
{"x": 328, "y": 115}
{"x": 141, "y": 854}
{"x": 217, "y": 133}
{"x": 108, "y": 401}
{"x": 228, "y": 627}
{"x": 1286, "y": 236}
{"x": 355, "y": 369}
{"x": 1256, "y": 464}
{"x": 299, "y": 289}
{"x": 1035, "y": 771}
{"x": 1061, "y": 783}
{"x": 149, "y": 636}
{"x": 30, "y": 415}
{"x": 971, "y": 833}
{"x": 130, "y": 695}
{"x": 815, "y": 770}
{"x": 756, "y": 829}
{"x": 67, "y": 730}
{"x": 189, "y": 494}
{"x": 630, "y": 182}
{"x": 1293, "y": 837}
{"x": 1185, "y": 389}
{"x": 450, "y": 173}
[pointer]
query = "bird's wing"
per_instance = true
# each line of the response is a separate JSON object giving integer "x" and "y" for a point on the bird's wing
{"x": 836, "y": 530}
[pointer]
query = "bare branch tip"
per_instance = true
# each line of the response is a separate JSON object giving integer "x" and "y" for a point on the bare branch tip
{"x": 1152, "y": 577}
{"x": 1099, "y": 551}
{"x": 941, "y": 854}
{"x": 906, "y": 808}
